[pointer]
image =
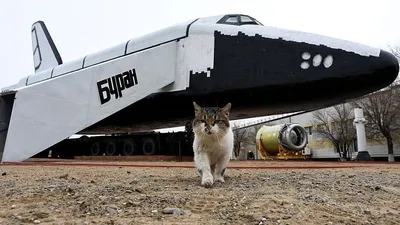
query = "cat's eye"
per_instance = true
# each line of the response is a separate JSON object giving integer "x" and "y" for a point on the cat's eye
{"x": 203, "y": 121}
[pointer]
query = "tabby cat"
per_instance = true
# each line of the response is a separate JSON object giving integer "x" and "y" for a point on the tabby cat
{"x": 213, "y": 142}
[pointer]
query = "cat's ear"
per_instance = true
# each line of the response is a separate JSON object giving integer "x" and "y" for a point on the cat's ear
{"x": 197, "y": 108}
{"x": 226, "y": 109}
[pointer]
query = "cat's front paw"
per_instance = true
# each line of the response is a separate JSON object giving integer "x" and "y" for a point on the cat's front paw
{"x": 207, "y": 182}
{"x": 219, "y": 179}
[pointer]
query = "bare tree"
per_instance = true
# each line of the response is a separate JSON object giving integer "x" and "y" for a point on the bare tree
{"x": 253, "y": 133}
{"x": 395, "y": 51}
{"x": 251, "y": 140}
{"x": 382, "y": 110}
{"x": 241, "y": 136}
{"x": 336, "y": 126}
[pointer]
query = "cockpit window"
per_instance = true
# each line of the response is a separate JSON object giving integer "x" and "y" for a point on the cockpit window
{"x": 232, "y": 20}
{"x": 238, "y": 20}
{"x": 247, "y": 20}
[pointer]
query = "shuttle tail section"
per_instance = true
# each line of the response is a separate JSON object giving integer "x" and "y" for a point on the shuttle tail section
{"x": 45, "y": 53}
{"x": 49, "y": 112}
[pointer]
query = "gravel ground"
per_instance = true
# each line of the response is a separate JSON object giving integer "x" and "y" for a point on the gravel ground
{"x": 134, "y": 195}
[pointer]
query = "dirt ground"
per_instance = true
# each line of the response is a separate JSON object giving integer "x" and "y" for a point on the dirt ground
{"x": 140, "y": 195}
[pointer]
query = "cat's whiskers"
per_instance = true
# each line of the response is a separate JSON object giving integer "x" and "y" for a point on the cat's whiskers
{"x": 216, "y": 134}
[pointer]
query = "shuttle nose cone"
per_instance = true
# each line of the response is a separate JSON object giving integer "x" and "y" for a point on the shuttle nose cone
{"x": 386, "y": 67}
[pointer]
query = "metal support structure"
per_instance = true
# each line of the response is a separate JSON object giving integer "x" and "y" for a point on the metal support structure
{"x": 359, "y": 120}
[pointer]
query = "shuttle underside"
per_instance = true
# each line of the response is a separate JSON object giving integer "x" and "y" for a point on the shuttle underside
{"x": 150, "y": 82}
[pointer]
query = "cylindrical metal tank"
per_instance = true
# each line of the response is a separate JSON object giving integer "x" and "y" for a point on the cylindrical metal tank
{"x": 291, "y": 137}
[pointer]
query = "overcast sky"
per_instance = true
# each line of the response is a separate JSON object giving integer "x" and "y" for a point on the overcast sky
{"x": 81, "y": 27}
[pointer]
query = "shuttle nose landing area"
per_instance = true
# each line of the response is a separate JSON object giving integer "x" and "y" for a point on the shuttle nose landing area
{"x": 387, "y": 67}
{"x": 375, "y": 73}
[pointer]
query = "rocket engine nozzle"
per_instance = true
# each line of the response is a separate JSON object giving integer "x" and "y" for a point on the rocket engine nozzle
{"x": 293, "y": 137}
{"x": 290, "y": 137}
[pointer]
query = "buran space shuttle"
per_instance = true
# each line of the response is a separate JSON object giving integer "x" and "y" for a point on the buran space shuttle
{"x": 150, "y": 82}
